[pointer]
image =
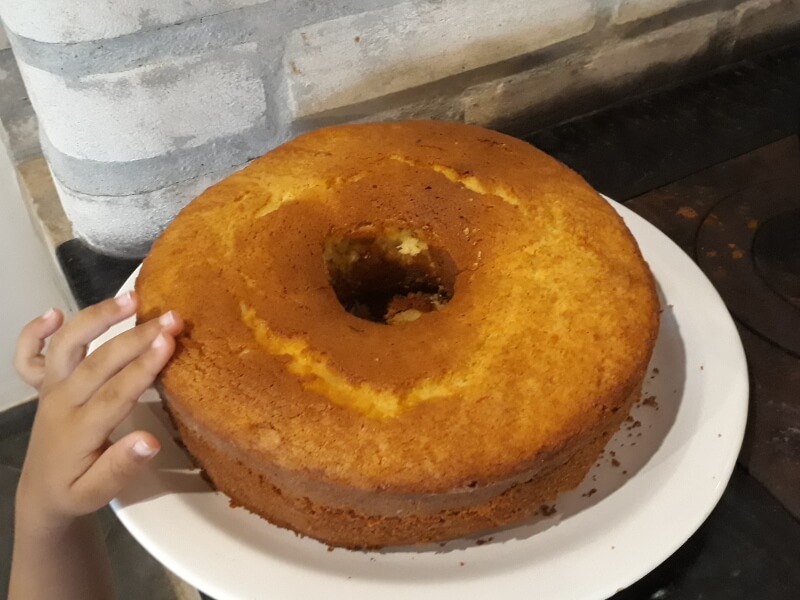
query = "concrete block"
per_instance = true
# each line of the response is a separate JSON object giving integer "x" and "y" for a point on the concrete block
{"x": 3, "y": 38}
{"x": 638, "y": 10}
{"x": 60, "y": 21}
{"x": 431, "y": 106}
{"x": 758, "y": 18}
{"x": 126, "y": 226}
{"x": 441, "y": 108}
{"x": 360, "y": 57}
{"x": 672, "y": 45}
{"x": 267, "y": 23}
{"x": 493, "y": 103}
{"x": 151, "y": 110}
{"x": 18, "y": 125}
{"x": 536, "y": 90}
{"x": 147, "y": 174}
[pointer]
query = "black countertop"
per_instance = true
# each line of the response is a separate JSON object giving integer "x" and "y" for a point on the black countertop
{"x": 675, "y": 153}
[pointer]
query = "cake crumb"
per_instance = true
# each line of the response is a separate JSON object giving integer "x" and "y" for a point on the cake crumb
{"x": 461, "y": 564}
{"x": 687, "y": 212}
{"x": 411, "y": 246}
{"x": 650, "y": 401}
{"x": 615, "y": 462}
{"x": 331, "y": 548}
{"x": 590, "y": 493}
{"x": 482, "y": 541}
{"x": 548, "y": 510}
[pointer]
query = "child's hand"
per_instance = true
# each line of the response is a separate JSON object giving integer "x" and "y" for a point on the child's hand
{"x": 70, "y": 468}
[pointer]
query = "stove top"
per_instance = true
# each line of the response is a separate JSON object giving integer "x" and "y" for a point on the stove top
{"x": 740, "y": 221}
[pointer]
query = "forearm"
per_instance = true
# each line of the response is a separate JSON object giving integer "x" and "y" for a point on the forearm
{"x": 68, "y": 562}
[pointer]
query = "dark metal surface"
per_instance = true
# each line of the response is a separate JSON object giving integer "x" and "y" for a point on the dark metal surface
{"x": 717, "y": 216}
{"x": 650, "y": 142}
{"x": 776, "y": 251}
{"x": 725, "y": 252}
{"x": 92, "y": 276}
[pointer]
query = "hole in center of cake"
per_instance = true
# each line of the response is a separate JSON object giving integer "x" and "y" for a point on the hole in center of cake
{"x": 388, "y": 274}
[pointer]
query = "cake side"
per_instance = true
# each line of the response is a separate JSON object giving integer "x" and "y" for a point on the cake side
{"x": 363, "y": 519}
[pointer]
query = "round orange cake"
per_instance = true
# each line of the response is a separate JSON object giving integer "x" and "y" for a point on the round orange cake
{"x": 400, "y": 332}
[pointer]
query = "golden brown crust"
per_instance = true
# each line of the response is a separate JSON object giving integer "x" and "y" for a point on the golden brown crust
{"x": 549, "y": 330}
{"x": 350, "y": 518}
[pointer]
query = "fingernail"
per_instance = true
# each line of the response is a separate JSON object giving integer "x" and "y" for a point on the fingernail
{"x": 160, "y": 341}
{"x": 125, "y": 300}
{"x": 49, "y": 314}
{"x": 167, "y": 319}
{"x": 143, "y": 449}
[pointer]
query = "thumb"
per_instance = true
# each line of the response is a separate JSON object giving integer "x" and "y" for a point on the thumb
{"x": 117, "y": 466}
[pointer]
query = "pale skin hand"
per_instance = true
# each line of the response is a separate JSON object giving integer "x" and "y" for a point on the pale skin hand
{"x": 71, "y": 469}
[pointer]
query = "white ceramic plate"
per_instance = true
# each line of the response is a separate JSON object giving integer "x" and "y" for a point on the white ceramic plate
{"x": 657, "y": 482}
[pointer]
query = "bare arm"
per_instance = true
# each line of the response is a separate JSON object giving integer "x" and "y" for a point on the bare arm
{"x": 69, "y": 562}
{"x": 71, "y": 470}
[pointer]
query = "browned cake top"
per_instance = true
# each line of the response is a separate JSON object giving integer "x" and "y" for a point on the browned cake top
{"x": 520, "y": 308}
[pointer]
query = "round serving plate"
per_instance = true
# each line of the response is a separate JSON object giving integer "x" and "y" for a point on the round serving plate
{"x": 656, "y": 482}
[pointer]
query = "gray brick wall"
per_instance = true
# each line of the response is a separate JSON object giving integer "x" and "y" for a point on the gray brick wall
{"x": 18, "y": 125}
{"x": 143, "y": 104}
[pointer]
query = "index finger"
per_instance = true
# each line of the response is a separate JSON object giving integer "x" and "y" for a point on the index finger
{"x": 68, "y": 347}
{"x": 28, "y": 359}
